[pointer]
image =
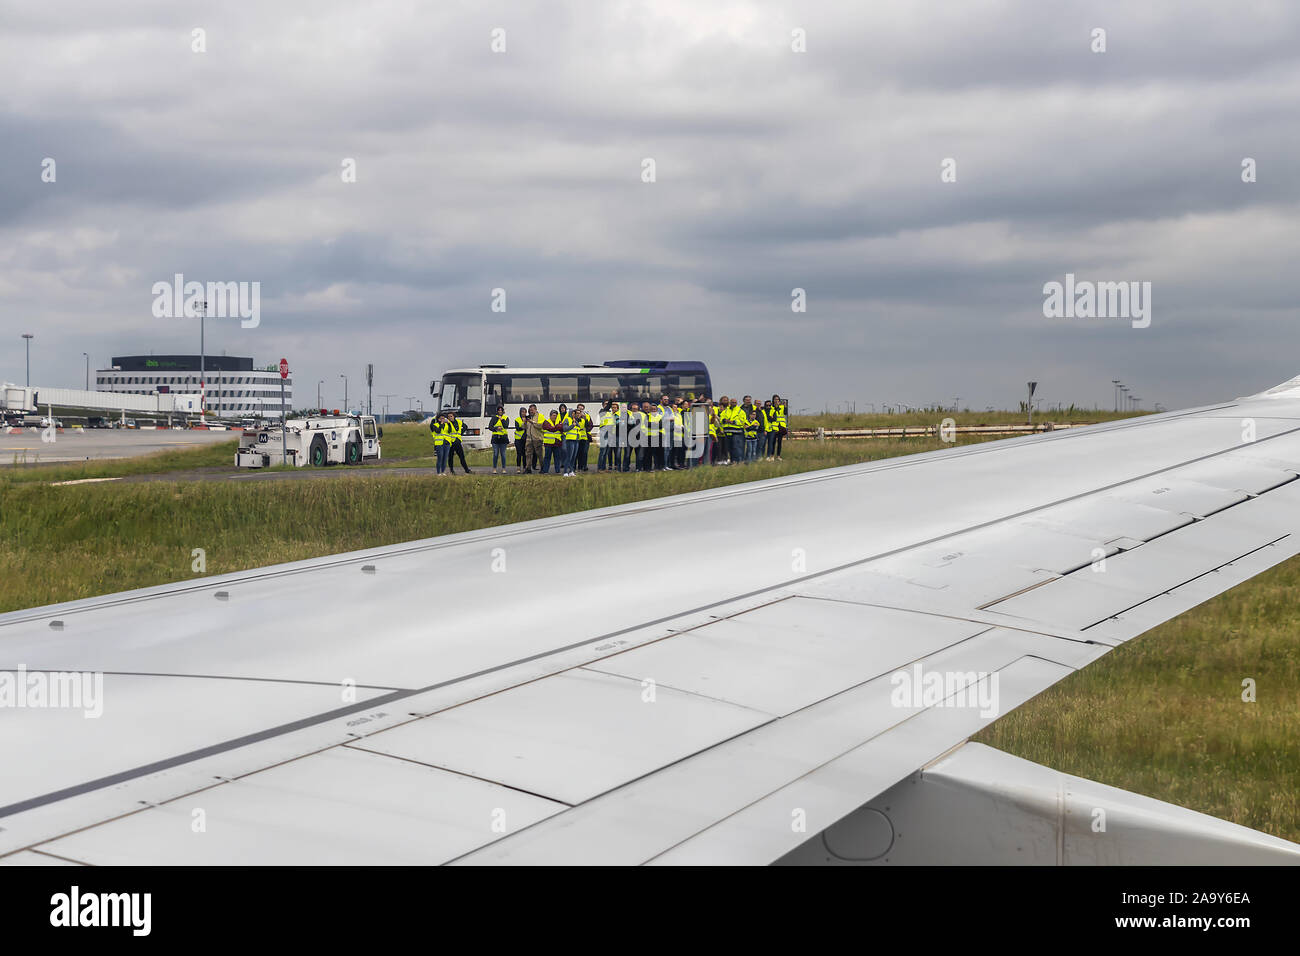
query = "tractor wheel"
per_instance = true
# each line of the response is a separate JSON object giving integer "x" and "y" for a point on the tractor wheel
{"x": 318, "y": 454}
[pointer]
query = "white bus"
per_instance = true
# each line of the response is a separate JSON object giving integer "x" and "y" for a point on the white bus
{"x": 474, "y": 394}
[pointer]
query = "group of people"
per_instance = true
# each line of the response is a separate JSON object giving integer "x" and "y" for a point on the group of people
{"x": 676, "y": 433}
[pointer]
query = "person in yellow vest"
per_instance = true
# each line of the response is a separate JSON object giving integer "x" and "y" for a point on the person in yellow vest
{"x": 782, "y": 410}
{"x": 631, "y": 437}
{"x": 607, "y": 456}
{"x": 521, "y": 439}
{"x": 678, "y": 450}
{"x": 568, "y": 442}
{"x": 441, "y": 444}
{"x": 722, "y": 413}
{"x": 499, "y": 426}
{"x": 584, "y": 425}
{"x": 712, "y": 444}
{"x": 654, "y": 417}
{"x": 769, "y": 429}
{"x": 456, "y": 428}
{"x": 552, "y": 441}
{"x": 752, "y": 426}
{"x": 733, "y": 426}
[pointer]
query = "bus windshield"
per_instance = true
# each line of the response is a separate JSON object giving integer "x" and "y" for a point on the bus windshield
{"x": 462, "y": 393}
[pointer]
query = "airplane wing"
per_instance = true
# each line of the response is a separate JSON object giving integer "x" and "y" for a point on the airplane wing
{"x": 785, "y": 670}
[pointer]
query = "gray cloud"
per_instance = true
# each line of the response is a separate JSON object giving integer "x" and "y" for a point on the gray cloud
{"x": 775, "y": 170}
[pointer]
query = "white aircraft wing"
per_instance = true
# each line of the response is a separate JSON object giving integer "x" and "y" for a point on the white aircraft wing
{"x": 743, "y": 675}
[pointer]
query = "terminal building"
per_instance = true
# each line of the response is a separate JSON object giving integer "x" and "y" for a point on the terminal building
{"x": 235, "y": 387}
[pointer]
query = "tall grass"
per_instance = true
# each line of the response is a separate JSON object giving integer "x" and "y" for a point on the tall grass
{"x": 67, "y": 542}
{"x": 1163, "y": 715}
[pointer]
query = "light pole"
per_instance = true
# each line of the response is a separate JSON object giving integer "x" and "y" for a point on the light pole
{"x": 1116, "y": 383}
{"x": 28, "y": 337}
{"x": 1123, "y": 390}
{"x": 203, "y": 367}
{"x": 411, "y": 399}
{"x": 345, "y": 392}
{"x": 386, "y": 398}
{"x": 87, "y": 358}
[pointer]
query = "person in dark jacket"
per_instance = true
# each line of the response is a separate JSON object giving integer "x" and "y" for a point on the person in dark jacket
{"x": 521, "y": 439}
{"x": 457, "y": 429}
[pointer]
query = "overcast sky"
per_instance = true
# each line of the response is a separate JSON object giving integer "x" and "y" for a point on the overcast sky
{"x": 774, "y": 170}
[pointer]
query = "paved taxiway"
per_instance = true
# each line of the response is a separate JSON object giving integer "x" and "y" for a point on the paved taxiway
{"x": 94, "y": 443}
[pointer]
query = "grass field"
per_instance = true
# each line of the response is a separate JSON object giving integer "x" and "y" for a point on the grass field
{"x": 67, "y": 542}
{"x": 1161, "y": 715}
{"x": 409, "y": 445}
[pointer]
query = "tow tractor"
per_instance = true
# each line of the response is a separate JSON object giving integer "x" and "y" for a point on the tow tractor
{"x": 330, "y": 438}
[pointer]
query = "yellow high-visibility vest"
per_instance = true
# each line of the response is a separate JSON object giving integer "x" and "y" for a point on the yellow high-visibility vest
{"x": 570, "y": 429}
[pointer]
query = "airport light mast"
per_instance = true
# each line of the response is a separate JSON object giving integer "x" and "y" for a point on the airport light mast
{"x": 203, "y": 369}
{"x": 27, "y": 336}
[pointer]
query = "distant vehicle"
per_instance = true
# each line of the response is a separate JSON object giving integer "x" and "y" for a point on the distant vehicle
{"x": 47, "y": 422}
{"x": 330, "y": 438}
{"x": 96, "y": 421}
{"x": 130, "y": 423}
{"x": 474, "y": 394}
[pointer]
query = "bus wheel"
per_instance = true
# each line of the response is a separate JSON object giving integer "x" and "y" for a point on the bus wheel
{"x": 318, "y": 451}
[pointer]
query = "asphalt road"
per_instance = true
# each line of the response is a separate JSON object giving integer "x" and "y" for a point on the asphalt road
{"x": 95, "y": 443}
